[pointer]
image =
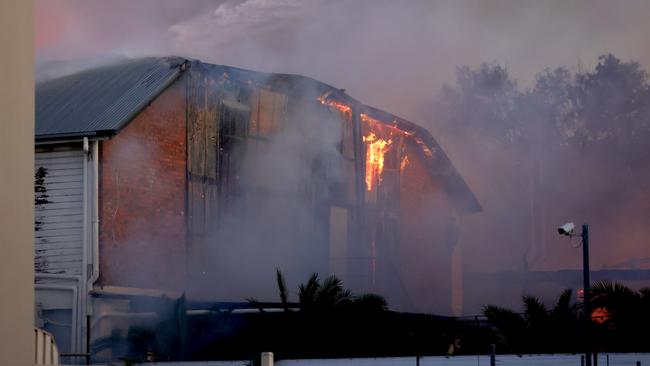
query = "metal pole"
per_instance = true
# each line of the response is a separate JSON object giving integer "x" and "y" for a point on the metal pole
{"x": 493, "y": 355}
{"x": 586, "y": 289}
{"x": 87, "y": 339}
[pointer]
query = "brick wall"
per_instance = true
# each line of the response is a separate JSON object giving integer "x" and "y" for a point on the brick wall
{"x": 142, "y": 198}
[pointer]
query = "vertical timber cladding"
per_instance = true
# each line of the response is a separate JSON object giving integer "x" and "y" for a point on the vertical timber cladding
{"x": 226, "y": 119}
{"x": 59, "y": 211}
{"x": 344, "y": 212}
{"x": 202, "y": 147}
{"x": 385, "y": 158}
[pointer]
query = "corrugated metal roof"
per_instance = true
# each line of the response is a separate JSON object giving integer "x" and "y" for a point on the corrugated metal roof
{"x": 101, "y": 100}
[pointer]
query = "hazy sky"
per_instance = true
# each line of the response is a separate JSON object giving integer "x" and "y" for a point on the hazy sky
{"x": 391, "y": 54}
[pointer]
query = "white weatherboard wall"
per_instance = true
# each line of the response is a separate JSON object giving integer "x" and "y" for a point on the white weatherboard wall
{"x": 59, "y": 214}
{"x": 61, "y": 237}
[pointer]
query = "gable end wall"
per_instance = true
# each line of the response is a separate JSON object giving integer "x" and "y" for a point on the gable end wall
{"x": 142, "y": 198}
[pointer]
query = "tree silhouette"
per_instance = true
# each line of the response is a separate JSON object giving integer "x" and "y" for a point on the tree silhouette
{"x": 536, "y": 330}
{"x": 330, "y": 294}
{"x": 620, "y": 322}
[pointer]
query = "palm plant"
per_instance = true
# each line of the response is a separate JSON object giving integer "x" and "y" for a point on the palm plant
{"x": 282, "y": 288}
{"x": 620, "y": 321}
{"x": 328, "y": 295}
{"x": 510, "y": 327}
{"x": 535, "y": 312}
{"x": 370, "y": 302}
{"x": 563, "y": 310}
{"x": 627, "y": 319}
{"x": 537, "y": 323}
{"x": 308, "y": 293}
{"x": 621, "y": 302}
{"x": 536, "y": 329}
{"x": 332, "y": 294}
{"x": 565, "y": 322}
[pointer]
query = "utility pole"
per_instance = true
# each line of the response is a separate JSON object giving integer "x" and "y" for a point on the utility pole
{"x": 567, "y": 230}
{"x": 586, "y": 296}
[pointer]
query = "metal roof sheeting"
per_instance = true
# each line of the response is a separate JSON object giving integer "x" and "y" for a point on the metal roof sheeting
{"x": 101, "y": 100}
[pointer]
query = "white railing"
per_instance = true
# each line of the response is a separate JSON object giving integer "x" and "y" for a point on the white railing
{"x": 45, "y": 351}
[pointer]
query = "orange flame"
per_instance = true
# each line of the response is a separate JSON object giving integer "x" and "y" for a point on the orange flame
{"x": 375, "y": 151}
{"x": 404, "y": 163}
{"x": 376, "y": 147}
{"x": 342, "y": 107}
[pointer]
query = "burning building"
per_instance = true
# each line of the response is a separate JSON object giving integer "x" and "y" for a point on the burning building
{"x": 167, "y": 175}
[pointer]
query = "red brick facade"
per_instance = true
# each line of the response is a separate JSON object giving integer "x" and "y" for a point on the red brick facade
{"x": 142, "y": 198}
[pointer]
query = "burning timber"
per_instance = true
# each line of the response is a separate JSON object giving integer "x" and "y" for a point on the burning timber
{"x": 166, "y": 175}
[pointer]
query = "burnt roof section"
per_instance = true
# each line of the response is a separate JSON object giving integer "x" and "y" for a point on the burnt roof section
{"x": 103, "y": 100}
{"x": 434, "y": 157}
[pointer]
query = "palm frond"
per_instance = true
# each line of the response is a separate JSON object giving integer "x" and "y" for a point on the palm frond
{"x": 612, "y": 294}
{"x": 308, "y": 292}
{"x": 331, "y": 292}
{"x": 510, "y": 325}
{"x": 282, "y": 288}
{"x": 534, "y": 310}
{"x": 370, "y": 302}
{"x": 563, "y": 303}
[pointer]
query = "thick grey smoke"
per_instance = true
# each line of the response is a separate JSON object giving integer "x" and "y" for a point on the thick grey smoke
{"x": 391, "y": 54}
{"x": 274, "y": 220}
{"x": 394, "y": 55}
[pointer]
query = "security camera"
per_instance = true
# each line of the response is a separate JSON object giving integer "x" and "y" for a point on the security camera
{"x": 566, "y": 229}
